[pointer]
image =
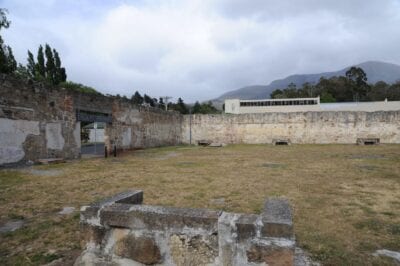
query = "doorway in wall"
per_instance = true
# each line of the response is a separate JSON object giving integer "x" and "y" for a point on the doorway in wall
{"x": 92, "y": 138}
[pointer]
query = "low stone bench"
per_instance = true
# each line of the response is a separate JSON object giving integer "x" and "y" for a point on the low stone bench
{"x": 120, "y": 231}
{"x": 281, "y": 141}
{"x": 368, "y": 141}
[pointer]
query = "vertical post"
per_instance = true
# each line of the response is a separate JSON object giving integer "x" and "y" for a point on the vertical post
{"x": 95, "y": 137}
{"x": 115, "y": 150}
{"x": 105, "y": 151}
{"x": 190, "y": 126}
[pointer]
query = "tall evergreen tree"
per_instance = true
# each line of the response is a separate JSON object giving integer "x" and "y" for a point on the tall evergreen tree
{"x": 137, "y": 98}
{"x": 180, "y": 106}
{"x": 196, "y": 108}
{"x": 31, "y": 66}
{"x": 8, "y": 64}
{"x": 51, "y": 72}
{"x": 57, "y": 66}
{"x": 148, "y": 100}
{"x": 40, "y": 66}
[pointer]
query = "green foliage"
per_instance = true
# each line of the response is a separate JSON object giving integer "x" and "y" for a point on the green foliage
{"x": 161, "y": 103}
{"x": 148, "y": 100}
{"x": 31, "y": 66}
{"x": 137, "y": 98}
{"x": 179, "y": 106}
{"x": 48, "y": 69}
{"x": 78, "y": 87}
{"x": 352, "y": 87}
{"x": 40, "y": 66}
{"x": 22, "y": 71}
{"x": 4, "y": 22}
{"x": 8, "y": 64}
{"x": 204, "y": 108}
{"x": 326, "y": 97}
{"x": 50, "y": 65}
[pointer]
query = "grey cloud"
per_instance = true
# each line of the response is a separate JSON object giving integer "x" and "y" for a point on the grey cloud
{"x": 201, "y": 48}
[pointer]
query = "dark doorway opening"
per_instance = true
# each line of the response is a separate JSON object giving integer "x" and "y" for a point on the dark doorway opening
{"x": 92, "y": 138}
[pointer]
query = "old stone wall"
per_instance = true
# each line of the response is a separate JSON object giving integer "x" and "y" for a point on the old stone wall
{"x": 301, "y": 127}
{"x": 38, "y": 121}
{"x": 142, "y": 127}
{"x": 35, "y": 122}
{"x": 122, "y": 231}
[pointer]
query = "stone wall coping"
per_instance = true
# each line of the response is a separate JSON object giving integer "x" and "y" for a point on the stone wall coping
{"x": 158, "y": 217}
{"x": 129, "y": 197}
{"x": 277, "y": 210}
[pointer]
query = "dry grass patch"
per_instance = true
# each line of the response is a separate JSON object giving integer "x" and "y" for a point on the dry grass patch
{"x": 346, "y": 198}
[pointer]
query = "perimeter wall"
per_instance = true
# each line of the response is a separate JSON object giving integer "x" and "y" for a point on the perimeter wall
{"x": 302, "y": 127}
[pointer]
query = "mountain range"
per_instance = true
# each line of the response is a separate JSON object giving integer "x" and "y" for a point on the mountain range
{"x": 376, "y": 71}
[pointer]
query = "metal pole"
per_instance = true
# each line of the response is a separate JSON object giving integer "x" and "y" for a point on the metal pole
{"x": 95, "y": 138}
{"x": 190, "y": 126}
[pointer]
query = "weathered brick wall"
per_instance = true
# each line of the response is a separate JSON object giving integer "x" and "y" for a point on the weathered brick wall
{"x": 38, "y": 121}
{"x": 121, "y": 231}
{"x": 307, "y": 127}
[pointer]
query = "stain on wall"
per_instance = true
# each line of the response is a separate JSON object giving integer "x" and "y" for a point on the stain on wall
{"x": 13, "y": 134}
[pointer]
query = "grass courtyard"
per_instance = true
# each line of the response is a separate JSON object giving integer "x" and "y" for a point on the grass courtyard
{"x": 345, "y": 198}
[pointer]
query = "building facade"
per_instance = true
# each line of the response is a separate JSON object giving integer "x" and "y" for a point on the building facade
{"x": 236, "y": 106}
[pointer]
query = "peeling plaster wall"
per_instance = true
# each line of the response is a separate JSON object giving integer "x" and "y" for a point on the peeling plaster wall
{"x": 303, "y": 127}
{"x": 54, "y": 136}
{"x": 13, "y": 134}
{"x": 52, "y": 112}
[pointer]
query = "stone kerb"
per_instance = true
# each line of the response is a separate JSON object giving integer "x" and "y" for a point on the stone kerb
{"x": 120, "y": 230}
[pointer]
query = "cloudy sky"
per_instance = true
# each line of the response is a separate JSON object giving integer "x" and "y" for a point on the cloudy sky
{"x": 199, "y": 49}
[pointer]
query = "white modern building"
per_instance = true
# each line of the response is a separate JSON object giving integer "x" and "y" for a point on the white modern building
{"x": 236, "y": 106}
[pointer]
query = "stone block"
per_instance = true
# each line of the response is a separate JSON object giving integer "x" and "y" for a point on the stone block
{"x": 227, "y": 238}
{"x": 130, "y": 197}
{"x": 271, "y": 255}
{"x": 246, "y": 226}
{"x": 193, "y": 250}
{"x": 142, "y": 249}
{"x": 158, "y": 217}
{"x": 91, "y": 234}
{"x": 277, "y": 219}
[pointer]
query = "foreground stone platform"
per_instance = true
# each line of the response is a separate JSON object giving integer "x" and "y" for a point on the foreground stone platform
{"x": 122, "y": 231}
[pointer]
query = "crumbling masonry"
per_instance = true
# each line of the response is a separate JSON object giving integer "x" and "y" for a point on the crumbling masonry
{"x": 121, "y": 231}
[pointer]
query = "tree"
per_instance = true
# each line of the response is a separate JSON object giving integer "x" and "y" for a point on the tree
{"x": 357, "y": 80}
{"x": 196, "y": 108}
{"x": 182, "y": 108}
{"x": 40, "y": 66}
{"x": 277, "y": 94}
{"x": 31, "y": 66}
{"x": 4, "y": 22}
{"x": 204, "y": 108}
{"x": 148, "y": 100}
{"x": 8, "y": 64}
{"x": 161, "y": 103}
{"x": 60, "y": 73}
{"x": 137, "y": 98}
{"x": 51, "y": 72}
{"x": 379, "y": 91}
{"x": 179, "y": 106}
